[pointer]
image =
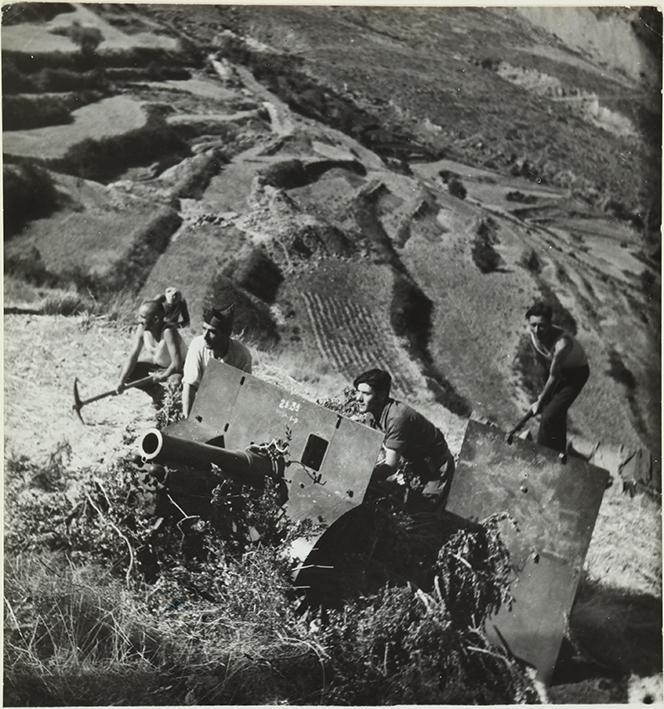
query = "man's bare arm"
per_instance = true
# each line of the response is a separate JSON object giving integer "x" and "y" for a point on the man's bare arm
{"x": 188, "y": 396}
{"x": 561, "y": 348}
{"x": 174, "y": 353}
{"x": 131, "y": 360}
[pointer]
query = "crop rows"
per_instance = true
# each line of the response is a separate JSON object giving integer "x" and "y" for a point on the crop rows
{"x": 353, "y": 339}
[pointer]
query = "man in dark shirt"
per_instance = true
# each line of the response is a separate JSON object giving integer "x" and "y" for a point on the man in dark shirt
{"x": 408, "y": 434}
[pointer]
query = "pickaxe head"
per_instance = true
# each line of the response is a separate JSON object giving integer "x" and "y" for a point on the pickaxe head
{"x": 77, "y": 401}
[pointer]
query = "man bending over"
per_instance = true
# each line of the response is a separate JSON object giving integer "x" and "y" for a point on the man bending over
{"x": 567, "y": 367}
{"x": 408, "y": 434}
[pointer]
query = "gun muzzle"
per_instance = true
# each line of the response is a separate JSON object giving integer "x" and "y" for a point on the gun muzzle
{"x": 249, "y": 466}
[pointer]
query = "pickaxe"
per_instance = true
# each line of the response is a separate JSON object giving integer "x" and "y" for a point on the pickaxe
{"x": 522, "y": 422}
{"x": 79, "y": 403}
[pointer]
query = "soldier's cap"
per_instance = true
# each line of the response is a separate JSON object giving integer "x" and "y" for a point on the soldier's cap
{"x": 220, "y": 319}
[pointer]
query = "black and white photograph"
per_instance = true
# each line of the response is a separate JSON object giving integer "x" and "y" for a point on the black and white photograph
{"x": 332, "y": 354}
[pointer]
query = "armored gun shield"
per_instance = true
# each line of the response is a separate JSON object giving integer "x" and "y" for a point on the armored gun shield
{"x": 332, "y": 457}
{"x": 555, "y": 507}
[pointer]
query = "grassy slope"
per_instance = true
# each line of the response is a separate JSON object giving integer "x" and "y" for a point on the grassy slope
{"x": 359, "y": 49}
{"x": 107, "y": 118}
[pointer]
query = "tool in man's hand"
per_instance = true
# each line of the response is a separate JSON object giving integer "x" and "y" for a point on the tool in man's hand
{"x": 80, "y": 403}
{"x": 522, "y": 422}
{"x": 509, "y": 438}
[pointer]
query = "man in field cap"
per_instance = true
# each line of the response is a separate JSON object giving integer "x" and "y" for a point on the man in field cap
{"x": 409, "y": 436}
{"x": 215, "y": 343}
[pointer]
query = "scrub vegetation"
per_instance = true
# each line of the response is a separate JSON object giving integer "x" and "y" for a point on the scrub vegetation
{"x": 120, "y": 596}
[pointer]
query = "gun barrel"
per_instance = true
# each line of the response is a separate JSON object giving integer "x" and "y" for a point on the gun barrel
{"x": 248, "y": 466}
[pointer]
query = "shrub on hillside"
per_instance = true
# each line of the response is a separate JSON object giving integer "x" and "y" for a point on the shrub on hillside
{"x": 649, "y": 285}
{"x": 530, "y": 261}
{"x": 260, "y": 275}
{"x": 518, "y": 196}
{"x": 63, "y": 79}
{"x": 406, "y": 646}
{"x": 22, "y": 112}
{"x": 20, "y": 77}
{"x": 153, "y": 72}
{"x": 618, "y": 371}
{"x": 252, "y": 317}
{"x": 285, "y": 174}
{"x": 410, "y": 313}
{"x": 456, "y": 188}
{"x": 104, "y": 159}
{"x": 27, "y": 265}
{"x": 28, "y": 193}
{"x": 66, "y": 304}
{"x": 486, "y": 258}
{"x": 86, "y": 38}
{"x": 13, "y": 80}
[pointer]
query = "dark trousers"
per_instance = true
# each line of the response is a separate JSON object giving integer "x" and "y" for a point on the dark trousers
{"x": 553, "y": 423}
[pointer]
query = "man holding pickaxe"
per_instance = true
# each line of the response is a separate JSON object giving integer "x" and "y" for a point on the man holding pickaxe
{"x": 567, "y": 372}
{"x": 161, "y": 351}
{"x": 160, "y": 348}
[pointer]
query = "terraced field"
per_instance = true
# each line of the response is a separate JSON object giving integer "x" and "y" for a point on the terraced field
{"x": 353, "y": 339}
{"x": 109, "y": 117}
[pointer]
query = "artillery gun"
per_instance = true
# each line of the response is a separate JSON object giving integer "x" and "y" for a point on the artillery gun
{"x": 554, "y": 506}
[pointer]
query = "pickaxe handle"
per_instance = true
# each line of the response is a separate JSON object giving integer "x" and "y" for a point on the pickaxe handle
{"x": 80, "y": 403}
{"x": 521, "y": 423}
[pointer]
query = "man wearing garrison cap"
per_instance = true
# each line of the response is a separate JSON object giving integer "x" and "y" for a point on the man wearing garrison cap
{"x": 215, "y": 343}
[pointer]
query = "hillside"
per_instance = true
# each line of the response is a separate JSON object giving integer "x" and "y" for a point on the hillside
{"x": 370, "y": 186}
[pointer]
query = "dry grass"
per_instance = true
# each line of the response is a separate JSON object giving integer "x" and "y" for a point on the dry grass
{"x": 84, "y": 242}
{"x": 43, "y": 354}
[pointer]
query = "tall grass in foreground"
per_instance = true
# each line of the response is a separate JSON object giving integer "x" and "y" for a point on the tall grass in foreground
{"x": 125, "y": 598}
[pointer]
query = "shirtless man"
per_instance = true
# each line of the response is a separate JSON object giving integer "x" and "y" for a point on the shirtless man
{"x": 408, "y": 434}
{"x": 567, "y": 368}
{"x": 159, "y": 348}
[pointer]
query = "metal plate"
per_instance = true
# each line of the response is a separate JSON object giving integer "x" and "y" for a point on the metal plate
{"x": 555, "y": 506}
{"x": 244, "y": 409}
